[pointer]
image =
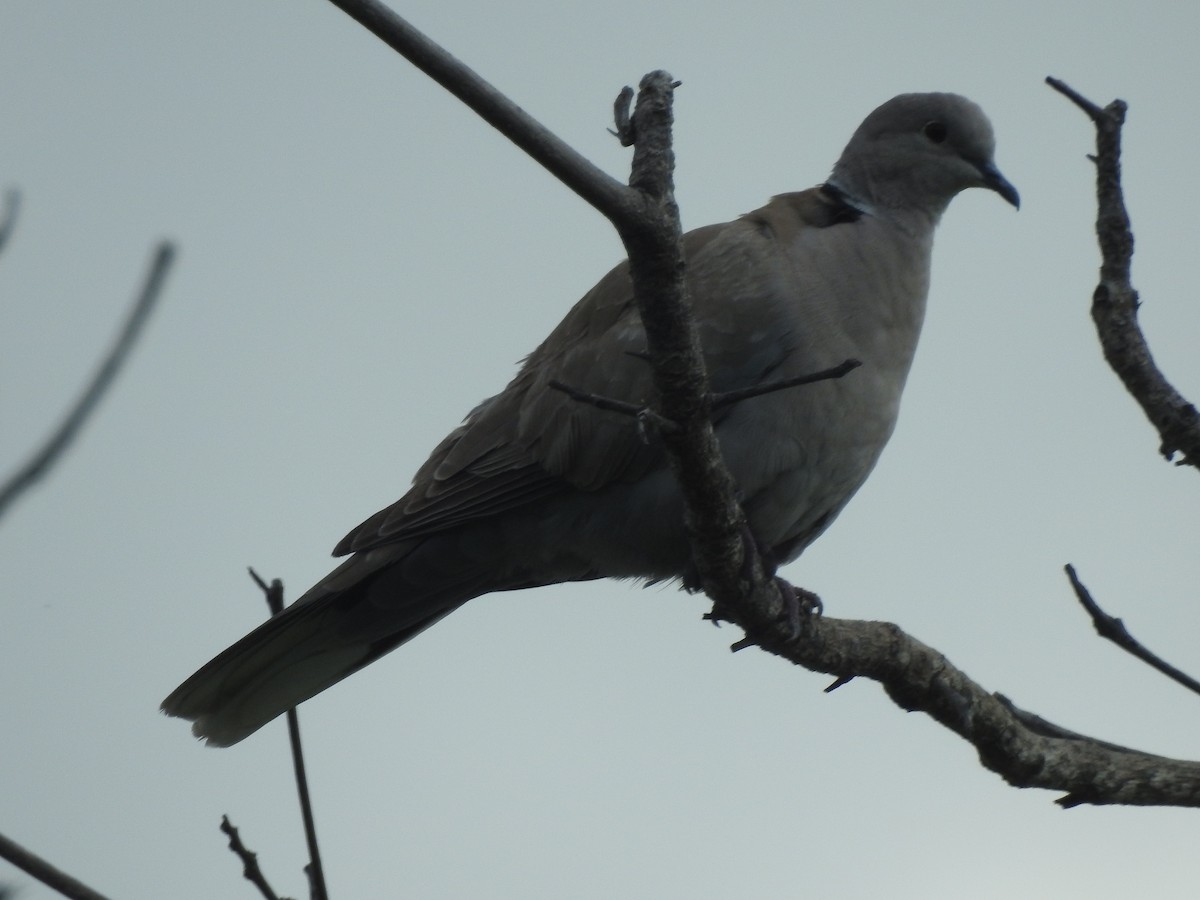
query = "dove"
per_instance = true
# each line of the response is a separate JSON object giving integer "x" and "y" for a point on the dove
{"x": 535, "y": 488}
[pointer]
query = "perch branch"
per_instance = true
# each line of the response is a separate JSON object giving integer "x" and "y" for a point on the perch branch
{"x": 1024, "y": 749}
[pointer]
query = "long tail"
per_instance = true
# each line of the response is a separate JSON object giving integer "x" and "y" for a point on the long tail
{"x": 353, "y": 616}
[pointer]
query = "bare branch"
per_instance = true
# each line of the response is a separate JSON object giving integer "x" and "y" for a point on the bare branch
{"x": 1025, "y": 750}
{"x": 583, "y": 177}
{"x": 314, "y": 870}
{"x": 249, "y": 858}
{"x": 1115, "y": 302}
{"x": 1114, "y": 629}
{"x": 44, "y": 872}
{"x": 44, "y": 459}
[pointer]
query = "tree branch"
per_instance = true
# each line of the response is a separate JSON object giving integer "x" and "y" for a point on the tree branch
{"x": 44, "y": 872}
{"x": 44, "y": 459}
{"x": 590, "y": 182}
{"x": 1024, "y": 749}
{"x": 1114, "y": 629}
{"x": 730, "y": 570}
{"x": 1115, "y": 302}
{"x": 250, "y": 869}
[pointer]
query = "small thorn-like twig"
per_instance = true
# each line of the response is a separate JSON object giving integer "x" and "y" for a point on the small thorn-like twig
{"x": 44, "y": 459}
{"x": 1095, "y": 113}
{"x": 314, "y": 869}
{"x": 1114, "y": 629}
{"x": 273, "y": 592}
{"x": 622, "y": 107}
{"x": 12, "y": 203}
{"x": 641, "y": 412}
{"x": 250, "y": 868}
{"x": 841, "y": 681}
{"x": 730, "y": 397}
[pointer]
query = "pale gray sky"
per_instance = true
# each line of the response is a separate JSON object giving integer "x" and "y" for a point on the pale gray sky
{"x": 362, "y": 260}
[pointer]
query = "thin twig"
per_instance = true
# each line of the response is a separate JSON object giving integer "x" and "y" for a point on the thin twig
{"x": 1114, "y": 629}
{"x": 250, "y": 868}
{"x": 641, "y": 412}
{"x": 1095, "y": 113}
{"x": 644, "y": 413}
{"x": 45, "y": 458}
{"x": 729, "y": 397}
{"x": 314, "y": 870}
{"x": 47, "y": 874}
{"x": 12, "y": 203}
{"x": 1115, "y": 301}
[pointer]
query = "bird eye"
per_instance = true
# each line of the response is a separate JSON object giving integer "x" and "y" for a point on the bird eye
{"x": 935, "y": 131}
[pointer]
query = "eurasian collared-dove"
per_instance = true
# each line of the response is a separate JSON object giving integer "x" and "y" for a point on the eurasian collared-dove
{"x": 535, "y": 488}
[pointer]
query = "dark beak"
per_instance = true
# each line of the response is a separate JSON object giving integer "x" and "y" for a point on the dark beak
{"x": 998, "y": 183}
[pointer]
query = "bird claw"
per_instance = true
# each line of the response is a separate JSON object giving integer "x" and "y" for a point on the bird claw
{"x": 799, "y": 606}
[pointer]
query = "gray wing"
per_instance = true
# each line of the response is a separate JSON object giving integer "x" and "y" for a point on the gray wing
{"x": 531, "y": 441}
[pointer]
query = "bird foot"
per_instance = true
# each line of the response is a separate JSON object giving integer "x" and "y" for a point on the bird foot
{"x": 799, "y": 605}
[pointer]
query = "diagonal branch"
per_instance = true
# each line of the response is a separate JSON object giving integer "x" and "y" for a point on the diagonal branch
{"x": 567, "y": 165}
{"x": 730, "y": 397}
{"x": 1115, "y": 302}
{"x": 47, "y": 874}
{"x": 44, "y": 459}
{"x": 1114, "y": 629}
{"x": 1024, "y": 749}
